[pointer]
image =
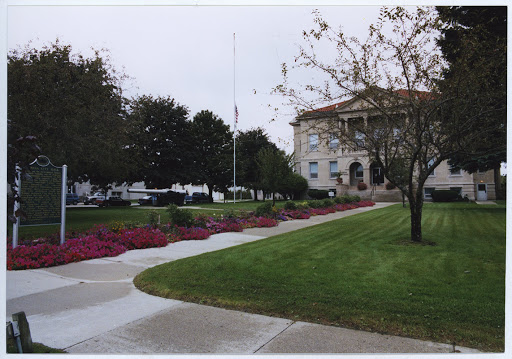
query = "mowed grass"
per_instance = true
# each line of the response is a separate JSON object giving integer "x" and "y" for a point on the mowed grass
{"x": 361, "y": 272}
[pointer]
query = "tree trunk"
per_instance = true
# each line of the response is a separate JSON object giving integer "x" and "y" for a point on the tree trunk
{"x": 416, "y": 207}
{"x": 255, "y": 194}
{"x": 210, "y": 193}
{"x": 273, "y": 199}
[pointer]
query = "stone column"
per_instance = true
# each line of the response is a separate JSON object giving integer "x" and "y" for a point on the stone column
{"x": 341, "y": 189}
{"x": 366, "y": 176}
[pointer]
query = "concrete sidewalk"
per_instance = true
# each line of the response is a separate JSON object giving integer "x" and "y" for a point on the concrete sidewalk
{"x": 92, "y": 307}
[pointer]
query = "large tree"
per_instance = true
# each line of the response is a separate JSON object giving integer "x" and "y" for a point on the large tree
{"x": 474, "y": 42}
{"x": 293, "y": 185}
{"x": 248, "y": 144}
{"x": 73, "y": 105}
{"x": 274, "y": 169}
{"x": 161, "y": 142}
{"x": 213, "y": 152}
{"x": 392, "y": 78}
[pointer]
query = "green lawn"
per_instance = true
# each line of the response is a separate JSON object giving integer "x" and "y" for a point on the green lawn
{"x": 361, "y": 272}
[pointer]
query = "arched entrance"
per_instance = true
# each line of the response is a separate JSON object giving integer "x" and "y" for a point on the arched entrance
{"x": 356, "y": 173}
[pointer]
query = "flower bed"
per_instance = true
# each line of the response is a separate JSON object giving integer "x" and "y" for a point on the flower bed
{"x": 102, "y": 241}
{"x": 188, "y": 234}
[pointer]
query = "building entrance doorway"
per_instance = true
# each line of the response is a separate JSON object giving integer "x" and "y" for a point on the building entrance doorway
{"x": 481, "y": 194}
{"x": 356, "y": 173}
{"x": 377, "y": 175}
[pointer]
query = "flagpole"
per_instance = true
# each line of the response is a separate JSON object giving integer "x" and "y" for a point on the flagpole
{"x": 234, "y": 124}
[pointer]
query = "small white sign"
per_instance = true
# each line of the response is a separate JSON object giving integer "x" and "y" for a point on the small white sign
{"x": 331, "y": 194}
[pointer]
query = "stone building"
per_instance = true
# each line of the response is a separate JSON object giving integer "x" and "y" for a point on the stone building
{"x": 327, "y": 163}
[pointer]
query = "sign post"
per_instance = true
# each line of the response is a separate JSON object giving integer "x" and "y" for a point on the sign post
{"x": 44, "y": 197}
{"x": 63, "y": 204}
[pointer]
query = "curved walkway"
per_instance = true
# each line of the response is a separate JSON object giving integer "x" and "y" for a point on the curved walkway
{"x": 93, "y": 307}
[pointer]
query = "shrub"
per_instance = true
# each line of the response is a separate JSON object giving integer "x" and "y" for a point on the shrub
{"x": 201, "y": 220}
{"x": 390, "y": 186}
{"x": 303, "y": 205}
{"x": 362, "y": 186}
{"x": 348, "y": 199}
{"x": 264, "y": 210}
{"x": 229, "y": 213}
{"x": 327, "y": 203}
{"x": 318, "y": 193}
{"x": 354, "y": 198}
{"x": 290, "y": 205}
{"x": 338, "y": 200}
{"x": 444, "y": 196}
{"x": 153, "y": 218}
{"x": 315, "y": 203}
{"x": 180, "y": 217}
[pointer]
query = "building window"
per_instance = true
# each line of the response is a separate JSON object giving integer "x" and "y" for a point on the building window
{"x": 116, "y": 194}
{"x": 359, "y": 139}
{"x": 333, "y": 141}
{"x": 333, "y": 169}
{"x": 428, "y": 192}
{"x": 313, "y": 142}
{"x": 313, "y": 170}
{"x": 359, "y": 172}
{"x": 455, "y": 171}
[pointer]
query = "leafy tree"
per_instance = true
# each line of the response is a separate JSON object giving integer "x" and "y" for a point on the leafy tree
{"x": 248, "y": 144}
{"x": 474, "y": 42}
{"x": 160, "y": 142}
{"x": 274, "y": 168}
{"x": 73, "y": 105}
{"x": 410, "y": 126}
{"x": 293, "y": 185}
{"x": 213, "y": 152}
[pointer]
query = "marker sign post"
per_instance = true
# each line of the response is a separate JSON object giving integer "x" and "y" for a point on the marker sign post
{"x": 43, "y": 196}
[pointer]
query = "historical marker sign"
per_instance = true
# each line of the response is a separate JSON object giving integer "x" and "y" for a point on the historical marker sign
{"x": 42, "y": 195}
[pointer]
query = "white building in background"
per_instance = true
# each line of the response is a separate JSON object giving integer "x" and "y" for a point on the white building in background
{"x": 85, "y": 189}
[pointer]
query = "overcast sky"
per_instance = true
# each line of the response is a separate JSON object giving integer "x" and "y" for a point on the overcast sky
{"x": 186, "y": 52}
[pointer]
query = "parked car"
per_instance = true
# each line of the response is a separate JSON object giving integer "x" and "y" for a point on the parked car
{"x": 72, "y": 198}
{"x": 146, "y": 201}
{"x": 163, "y": 199}
{"x": 92, "y": 198}
{"x": 112, "y": 201}
{"x": 188, "y": 199}
{"x": 200, "y": 197}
